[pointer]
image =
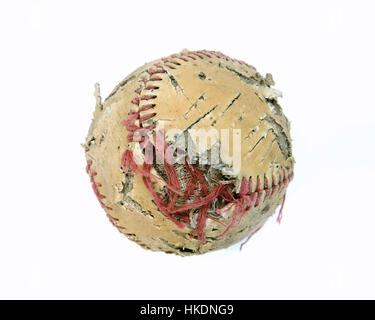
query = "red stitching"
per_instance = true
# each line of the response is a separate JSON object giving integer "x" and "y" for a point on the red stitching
{"x": 179, "y": 57}
{"x": 95, "y": 186}
{"x": 113, "y": 221}
{"x": 154, "y": 71}
{"x": 196, "y": 54}
{"x": 188, "y": 55}
{"x": 222, "y": 56}
{"x": 280, "y": 216}
{"x": 151, "y": 87}
{"x": 135, "y": 115}
{"x": 146, "y": 107}
{"x": 247, "y": 199}
{"x": 170, "y": 66}
{"x": 148, "y": 97}
{"x": 204, "y": 53}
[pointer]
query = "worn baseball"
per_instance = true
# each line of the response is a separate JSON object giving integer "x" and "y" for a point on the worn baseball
{"x": 190, "y": 153}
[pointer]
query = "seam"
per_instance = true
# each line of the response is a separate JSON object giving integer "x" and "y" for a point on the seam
{"x": 95, "y": 185}
{"x": 136, "y": 120}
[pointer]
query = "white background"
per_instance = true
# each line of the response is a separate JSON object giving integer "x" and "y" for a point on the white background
{"x": 55, "y": 241}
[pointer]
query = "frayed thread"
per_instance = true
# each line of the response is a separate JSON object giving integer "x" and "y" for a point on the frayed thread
{"x": 196, "y": 187}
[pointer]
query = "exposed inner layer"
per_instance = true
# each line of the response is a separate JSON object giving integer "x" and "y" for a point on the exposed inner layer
{"x": 188, "y": 197}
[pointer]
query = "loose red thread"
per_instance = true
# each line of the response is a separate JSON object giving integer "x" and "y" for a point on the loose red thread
{"x": 280, "y": 216}
{"x": 250, "y": 236}
{"x": 195, "y": 182}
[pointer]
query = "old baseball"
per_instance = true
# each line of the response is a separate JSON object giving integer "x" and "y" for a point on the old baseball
{"x": 190, "y": 153}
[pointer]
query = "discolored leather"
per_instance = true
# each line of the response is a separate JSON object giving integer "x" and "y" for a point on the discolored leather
{"x": 197, "y": 90}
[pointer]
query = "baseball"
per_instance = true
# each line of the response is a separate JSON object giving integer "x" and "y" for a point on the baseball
{"x": 190, "y": 153}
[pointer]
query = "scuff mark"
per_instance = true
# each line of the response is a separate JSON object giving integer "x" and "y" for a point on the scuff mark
{"x": 194, "y": 105}
{"x": 274, "y": 106}
{"x": 256, "y": 144}
{"x": 230, "y": 104}
{"x": 268, "y": 150}
{"x": 256, "y": 80}
{"x": 127, "y": 186}
{"x": 200, "y": 118}
{"x": 174, "y": 82}
{"x": 252, "y": 131}
{"x": 179, "y": 249}
{"x": 283, "y": 140}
